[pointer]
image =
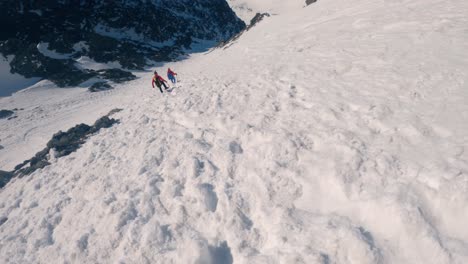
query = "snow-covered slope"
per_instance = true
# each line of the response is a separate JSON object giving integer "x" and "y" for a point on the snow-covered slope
{"x": 337, "y": 133}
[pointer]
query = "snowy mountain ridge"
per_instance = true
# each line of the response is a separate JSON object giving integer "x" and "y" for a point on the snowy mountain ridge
{"x": 335, "y": 133}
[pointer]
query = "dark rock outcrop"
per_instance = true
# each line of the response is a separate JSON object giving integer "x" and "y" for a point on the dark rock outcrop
{"x": 61, "y": 144}
{"x": 5, "y": 177}
{"x": 256, "y": 19}
{"x": 99, "y": 87}
{"x": 253, "y": 22}
{"x": 308, "y": 2}
{"x": 117, "y": 75}
{"x": 5, "y": 113}
{"x": 3, "y": 219}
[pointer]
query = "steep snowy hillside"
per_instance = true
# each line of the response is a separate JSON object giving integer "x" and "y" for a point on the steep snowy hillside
{"x": 336, "y": 133}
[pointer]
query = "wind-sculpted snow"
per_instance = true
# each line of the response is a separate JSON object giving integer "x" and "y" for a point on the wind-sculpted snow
{"x": 333, "y": 134}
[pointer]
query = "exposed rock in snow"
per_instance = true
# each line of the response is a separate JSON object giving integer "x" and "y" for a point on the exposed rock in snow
{"x": 62, "y": 144}
{"x": 253, "y": 22}
{"x": 5, "y": 113}
{"x": 99, "y": 87}
{"x": 5, "y": 177}
{"x": 116, "y": 75}
{"x": 309, "y": 2}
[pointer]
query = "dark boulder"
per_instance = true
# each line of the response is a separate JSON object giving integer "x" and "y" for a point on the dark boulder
{"x": 103, "y": 122}
{"x": 65, "y": 143}
{"x": 5, "y": 177}
{"x": 116, "y": 75}
{"x": 5, "y": 113}
{"x": 100, "y": 86}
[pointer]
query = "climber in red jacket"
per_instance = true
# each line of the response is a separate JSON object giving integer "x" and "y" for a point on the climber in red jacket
{"x": 171, "y": 75}
{"x": 159, "y": 81}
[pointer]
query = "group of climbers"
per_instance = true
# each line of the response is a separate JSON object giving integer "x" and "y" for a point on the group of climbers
{"x": 159, "y": 81}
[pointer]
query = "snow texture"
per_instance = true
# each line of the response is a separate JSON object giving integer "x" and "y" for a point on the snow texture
{"x": 335, "y": 133}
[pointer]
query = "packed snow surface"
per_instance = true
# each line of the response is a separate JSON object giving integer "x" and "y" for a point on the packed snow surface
{"x": 337, "y": 133}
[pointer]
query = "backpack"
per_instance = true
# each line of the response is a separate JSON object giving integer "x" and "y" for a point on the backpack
{"x": 157, "y": 82}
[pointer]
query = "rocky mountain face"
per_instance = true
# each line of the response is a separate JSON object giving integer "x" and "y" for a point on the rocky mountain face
{"x": 47, "y": 37}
